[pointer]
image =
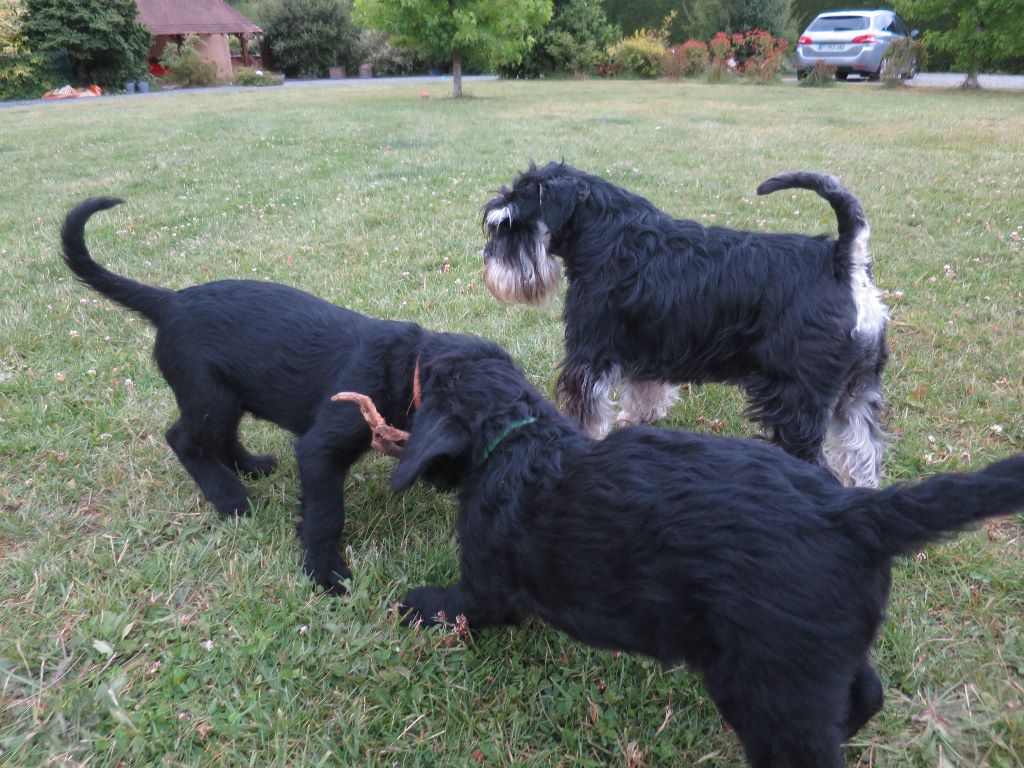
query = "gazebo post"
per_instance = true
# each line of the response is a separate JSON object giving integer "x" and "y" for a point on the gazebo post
{"x": 245, "y": 48}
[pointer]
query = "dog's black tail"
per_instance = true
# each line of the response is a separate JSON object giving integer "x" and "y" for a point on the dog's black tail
{"x": 902, "y": 518}
{"x": 849, "y": 213}
{"x": 144, "y": 299}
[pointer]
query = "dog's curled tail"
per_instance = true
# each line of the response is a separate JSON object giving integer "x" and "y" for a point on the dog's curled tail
{"x": 849, "y": 213}
{"x": 902, "y": 518}
{"x": 144, "y": 299}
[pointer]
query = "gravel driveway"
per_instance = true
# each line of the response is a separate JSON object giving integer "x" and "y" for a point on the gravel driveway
{"x": 922, "y": 80}
{"x": 953, "y": 79}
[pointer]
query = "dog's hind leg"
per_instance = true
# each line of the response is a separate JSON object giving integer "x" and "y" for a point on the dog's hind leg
{"x": 337, "y": 438}
{"x": 244, "y": 463}
{"x": 866, "y": 699}
{"x": 781, "y": 733}
{"x": 810, "y": 750}
{"x": 645, "y": 402}
{"x": 855, "y": 440}
{"x": 793, "y": 418}
{"x": 198, "y": 444}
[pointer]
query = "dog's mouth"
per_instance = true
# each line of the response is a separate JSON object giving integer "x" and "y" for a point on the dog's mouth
{"x": 522, "y": 285}
{"x": 519, "y": 268}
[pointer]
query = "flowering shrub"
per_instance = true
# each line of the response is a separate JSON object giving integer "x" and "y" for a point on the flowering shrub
{"x": 756, "y": 54}
{"x": 722, "y": 60}
{"x": 640, "y": 53}
{"x": 762, "y": 55}
{"x": 686, "y": 60}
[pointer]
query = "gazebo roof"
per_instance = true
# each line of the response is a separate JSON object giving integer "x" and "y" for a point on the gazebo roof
{"x": 201, "y": 17}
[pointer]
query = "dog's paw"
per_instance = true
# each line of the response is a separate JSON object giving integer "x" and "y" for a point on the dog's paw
{"x": 336, "y": 583}
{"x": 330, "y": 576}
{"x": 257, "y": 466}
{"x": 237, "y": 506}
{"x": 422, "y": 605}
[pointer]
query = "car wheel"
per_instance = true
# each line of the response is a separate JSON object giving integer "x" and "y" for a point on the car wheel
{"x": 801, "y": 74}
{"x": 842, "y": 76}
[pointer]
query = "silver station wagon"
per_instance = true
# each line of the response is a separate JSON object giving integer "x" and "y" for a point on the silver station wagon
{"x": 853, "y": 42}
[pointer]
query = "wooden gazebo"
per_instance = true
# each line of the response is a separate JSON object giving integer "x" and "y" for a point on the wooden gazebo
{"x": 213, "y": 21}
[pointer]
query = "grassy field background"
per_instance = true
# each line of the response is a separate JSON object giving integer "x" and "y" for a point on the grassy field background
{"x": 138, "y": 628}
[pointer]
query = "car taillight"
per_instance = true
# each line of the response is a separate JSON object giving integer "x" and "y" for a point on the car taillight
{"x": 864, "y": 39}
{"x": 804, "y": 40}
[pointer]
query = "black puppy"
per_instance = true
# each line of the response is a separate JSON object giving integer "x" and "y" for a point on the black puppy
{"x": 795, "y": 321}
{"x": 240, "y": 346}
{"x": 757, "y": 569}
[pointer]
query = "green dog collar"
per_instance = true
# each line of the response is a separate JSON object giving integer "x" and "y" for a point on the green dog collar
{"x": 509, "y": 429}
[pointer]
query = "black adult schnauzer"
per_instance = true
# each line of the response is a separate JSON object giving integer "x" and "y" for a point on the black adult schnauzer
{"x": 759, "y": 570}
{"x": 237, "y": 346}
{"x": 795, "y": 321}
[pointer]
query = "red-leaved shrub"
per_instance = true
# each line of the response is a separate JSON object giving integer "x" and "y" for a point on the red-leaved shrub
{"x": 687, "y": 60}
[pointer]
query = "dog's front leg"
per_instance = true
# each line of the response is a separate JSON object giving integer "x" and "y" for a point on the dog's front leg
{"x": 484, "y": 594}
{"x": 324, "y": 455}
{"x": 433, "y": 605}
{"x": 585, "y": 396}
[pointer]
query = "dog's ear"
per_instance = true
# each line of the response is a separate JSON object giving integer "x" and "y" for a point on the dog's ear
{"x": 559, "y": 197}
{"x": 429, "y": 440}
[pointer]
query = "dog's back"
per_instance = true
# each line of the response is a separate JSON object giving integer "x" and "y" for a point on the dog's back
{"x": 277, "y": 349}
{"x": 682, "y": 535}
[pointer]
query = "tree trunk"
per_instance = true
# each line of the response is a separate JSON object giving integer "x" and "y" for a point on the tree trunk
{"x": 457, "y": 76}
{"x": 971, "y": 81}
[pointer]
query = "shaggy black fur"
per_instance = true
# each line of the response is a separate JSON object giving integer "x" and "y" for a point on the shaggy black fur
{"x": 759, "y": 570}
{"x": 795, "y": 321}
{"x": 239, "y": 346}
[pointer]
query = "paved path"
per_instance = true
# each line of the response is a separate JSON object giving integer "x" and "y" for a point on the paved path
{"x": 922, "y": 80}
{"x": 953, "y": 79}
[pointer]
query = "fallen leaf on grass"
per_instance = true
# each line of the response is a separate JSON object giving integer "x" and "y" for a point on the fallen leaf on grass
{"x": 916, "y": 397}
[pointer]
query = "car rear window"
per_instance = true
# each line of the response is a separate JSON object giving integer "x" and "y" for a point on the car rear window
{"x": 839, "y": 24}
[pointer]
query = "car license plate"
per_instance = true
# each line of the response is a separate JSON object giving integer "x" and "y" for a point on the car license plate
{"x": 832, "y": 46}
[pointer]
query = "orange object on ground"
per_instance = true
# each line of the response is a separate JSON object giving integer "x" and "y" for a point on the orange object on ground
{"x": 67, "y": 92}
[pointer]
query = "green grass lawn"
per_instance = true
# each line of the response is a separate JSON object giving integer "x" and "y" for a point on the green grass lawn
{"x": 138, "y": 628}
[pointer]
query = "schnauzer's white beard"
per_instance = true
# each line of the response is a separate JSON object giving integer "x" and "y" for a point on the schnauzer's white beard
{"x": 511, "y": 286}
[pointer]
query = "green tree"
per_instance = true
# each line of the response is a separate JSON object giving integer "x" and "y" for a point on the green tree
{"x": 802, "y": 12}
{"x": 105, "y": 43}
{"x": 12, "y": 39}
{"x": 494, "y": 32}
{"x": 710, "y": 16}
{"x": 630, "y": 15}
{"x": 986, "y": 31}
{"x": 308, "y": 36}
{"x": 253, "y": 10}
{"x": 575, "y": 40}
